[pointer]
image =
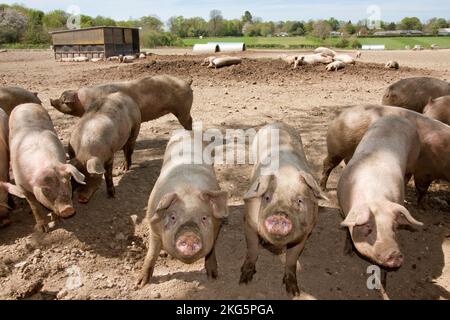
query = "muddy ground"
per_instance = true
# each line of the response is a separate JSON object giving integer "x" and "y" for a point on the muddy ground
{"x": 98, "y": 253}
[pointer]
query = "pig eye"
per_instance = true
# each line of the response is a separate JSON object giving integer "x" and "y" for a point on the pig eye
{"x": 267, "y": 198}
{"x": 173, "y": 218}
{"x": 299, "y": 201}
{"x": 204, "y": 218}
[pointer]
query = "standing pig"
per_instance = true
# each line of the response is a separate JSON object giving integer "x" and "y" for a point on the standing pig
{"x": 282, "y": 201}
{"x": 10, "y": 97}
{"x": 185, "y": 208}
{"x": 438, "y": 109}
{"x": 156, "y": 96}
{"x": 110, "y": 123}
{"x": 39, "y": 164}
{"x": 4, "y": 168}
{"x": 414, "y": 93}
{"x": 347, "y": 130}
{"x": 371, "y": 190}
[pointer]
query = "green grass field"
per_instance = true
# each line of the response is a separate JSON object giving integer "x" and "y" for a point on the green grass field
{"x": 391, "y": 43}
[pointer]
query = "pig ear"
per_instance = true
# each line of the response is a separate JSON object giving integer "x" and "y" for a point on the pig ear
{"x": 77, "y": 175}
{"x": 218, "y": 201}
{"x": 259, "y": 187}
{"x": 69, "y": 97}
{"x": 166, "y": 201}
{"x": 312, "y": 183}
{"x": 95, "y": 166}
{"x": 403, "y": 215}
{"x": 430, "y": 100}
{"x": 356, "y": 218}
{"x": 12, "y": 189}
{"x": 36, "y": 94}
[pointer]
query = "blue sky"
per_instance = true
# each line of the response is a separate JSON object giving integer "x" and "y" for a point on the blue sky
{"x": 390, "y": 10}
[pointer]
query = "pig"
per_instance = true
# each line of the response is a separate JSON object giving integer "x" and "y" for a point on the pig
{"x": 325, "y": 51}
{"x": 371, "y": 190}
{"x": 10, "y": 97}
{"x": 111, "y": 123}
{"x": 438, "y": 109}
{"x": 392, "y": 64}
{"x": 186, "y": 207}
{"x": 347, "y": 130}
{"x": 335, "y": 66}
{"x": 344, "y": 58}
{"x": 314, "y": 59}
{"x": 358, "y": 54}
{"x": 282, "y": 201}
{"x": 413, "y": 93}
{"x": 291, "y": 60}
{"x": 207, "y": 61}
{"x": 39, "y": 166}
{"x": 4, "y": 168}
{"x": 156, "y": 96}
{"x": 224, "y": 61}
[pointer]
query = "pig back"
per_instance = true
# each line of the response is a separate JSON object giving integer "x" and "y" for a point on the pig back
{"x": 4, "y": 146}
{"x": 10, "y": 97}
{"x": 183, "y": 169}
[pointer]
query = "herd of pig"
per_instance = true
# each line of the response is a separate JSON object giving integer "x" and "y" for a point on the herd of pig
{"x": 332, "y": 59}
{"x": 382, "y": 145}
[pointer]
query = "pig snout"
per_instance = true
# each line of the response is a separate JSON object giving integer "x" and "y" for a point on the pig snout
{"x": 83, "y": 199}
{"x": 188, "y": 244}
{"x": 67, "y": 212}
{"x": 394, "y": 260}
{"x": 278, "y": 224}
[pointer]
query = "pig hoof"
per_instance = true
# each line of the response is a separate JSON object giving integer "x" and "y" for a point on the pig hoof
{"x": 111, "y": 193}
{"x": 212, "y": 274}
{"x": 142, "y": 280}
{"x": 247, "y": 273}
{"x": 41, "y": 227}
{"x": 291, "y": 285}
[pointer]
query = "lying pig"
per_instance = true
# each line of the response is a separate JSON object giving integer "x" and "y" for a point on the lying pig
{"x": 314, "y": 59}
{"x": 4, "y": 168}
{"x": 225, "y": 61}
{"x": 438, "y": 109}
{"x": 185, "y": 208}
{"x": 414, "y": 93}
{"x": 325, "y": 51}
{"x": 371, "y": 189}
{"x": 111, "y": 123}
{"x": 282, "y": 201}
{"x": 10, "y": 97}
{"x": 156, "y": 96}
{"x": 392, "y": 65}
{"x": 347, "y": 130}
{"x": 290, "y": 60}
{"x": 344, "y": 58}
{"x": 39, "y": 164}
{"x": 335, "y": 66}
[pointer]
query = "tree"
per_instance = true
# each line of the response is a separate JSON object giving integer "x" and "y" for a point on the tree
{"x": 247, "y": 17}
{"x": 411, "y": 23}
{"x": 151, "y": 22}
{"x": 321, "y": 29}
{"x": 196, "y": 26}
{"x": 56, "y": 20}
{"x": 12, "y": 25}
{"x": 349, "y": 28}
{"x": 177, "y": 26}
{"x": 334, "y": 24}
{"x": 215, "y": 21}
{"x": 35, "y": 33}
{"x": 434, "y": 24}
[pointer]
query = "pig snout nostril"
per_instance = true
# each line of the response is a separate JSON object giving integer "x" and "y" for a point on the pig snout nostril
{"x": 278, "y": 224}
{"x": 394, "y": 260}
{"x": 188, "y": 245}
{"x": 67, "y": 212}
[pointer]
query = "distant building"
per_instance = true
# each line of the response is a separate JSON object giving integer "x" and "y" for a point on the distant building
{"x": 444, "y": 32}
{"x": 398, "y": 33}
{"x": 336, "y": 34}
{"x": 95, "y": 42}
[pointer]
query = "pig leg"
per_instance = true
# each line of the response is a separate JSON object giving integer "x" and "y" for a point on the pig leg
{"x": 290, "y": 274}
{"x": 128, "y": 149}
{"x": 211, "y": 264}
{"x": 37, "y": 210}
{"x": 150, "y": 259}
{"x": 108, "y": 178}
{"x": 329, "y": 164}
{"x": 248, "y": 268}
{"x": 422, "y": 184}
{"x": 349, "y": 249}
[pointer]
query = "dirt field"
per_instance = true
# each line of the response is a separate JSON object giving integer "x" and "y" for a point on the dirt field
{"x": 105, "y": 242}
